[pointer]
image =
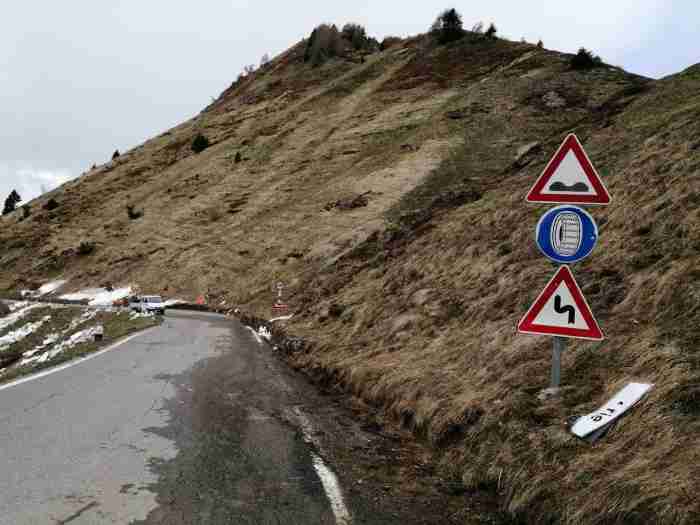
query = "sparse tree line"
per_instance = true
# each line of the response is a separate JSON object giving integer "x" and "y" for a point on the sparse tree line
{"x": 327, "y": 42}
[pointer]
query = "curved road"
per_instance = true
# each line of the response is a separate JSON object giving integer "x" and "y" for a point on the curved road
{"x": 190, "y": 422}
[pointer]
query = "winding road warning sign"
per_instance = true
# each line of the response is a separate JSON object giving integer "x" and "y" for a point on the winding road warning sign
{"x": 561, "y": 310}
{"x": 569, "y": 178}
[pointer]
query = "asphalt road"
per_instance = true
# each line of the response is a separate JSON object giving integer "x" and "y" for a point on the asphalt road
{"x": 186, "y": 423}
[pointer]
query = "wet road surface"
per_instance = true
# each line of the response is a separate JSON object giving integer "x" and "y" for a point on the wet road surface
{"x": 191, "y": 422}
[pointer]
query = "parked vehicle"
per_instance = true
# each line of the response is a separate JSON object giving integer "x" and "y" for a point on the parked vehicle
{"x": 147, "y": 304}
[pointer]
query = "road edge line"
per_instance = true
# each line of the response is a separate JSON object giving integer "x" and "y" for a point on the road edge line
{"x": 329, "y": 480}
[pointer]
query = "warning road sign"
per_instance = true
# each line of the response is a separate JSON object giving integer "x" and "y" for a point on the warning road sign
{"x": 569, "y": 178}
{"x": 561, "y": 310}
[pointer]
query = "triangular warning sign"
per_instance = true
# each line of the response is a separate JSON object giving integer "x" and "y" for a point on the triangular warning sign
{"x": 561, "y": 310}
{"x": 569, "y": 178}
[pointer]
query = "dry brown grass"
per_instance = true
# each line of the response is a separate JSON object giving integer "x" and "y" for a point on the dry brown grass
{"x": 435, "y": 272}
{"x": 459, "y": 375}
{"x": 214, "y": 213}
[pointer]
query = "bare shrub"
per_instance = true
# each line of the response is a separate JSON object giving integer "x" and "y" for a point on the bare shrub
{"x": 584, "y": 60}
{"x": 51, "y": 204}
{"x": 86, "y": 247}
{"x": 214, "y": 213}
{"x": 199, "y": 143}
{"x": 133, "y": 213}
{"x": 388, "y": 42}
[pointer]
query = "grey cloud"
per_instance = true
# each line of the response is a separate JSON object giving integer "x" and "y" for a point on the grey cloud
{"x": 81, "y": 79}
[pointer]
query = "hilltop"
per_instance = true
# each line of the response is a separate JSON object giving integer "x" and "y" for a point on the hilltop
{"x": 386, "y": 189}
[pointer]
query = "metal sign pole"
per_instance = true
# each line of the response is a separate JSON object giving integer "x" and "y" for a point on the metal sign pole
{"x": 558, "y": 348}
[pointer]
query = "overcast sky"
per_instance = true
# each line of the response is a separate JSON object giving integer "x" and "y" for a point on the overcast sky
{"x": 80, "y": 78}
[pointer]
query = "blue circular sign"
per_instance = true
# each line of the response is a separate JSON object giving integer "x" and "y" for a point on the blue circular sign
{"x": 566, "y": 234}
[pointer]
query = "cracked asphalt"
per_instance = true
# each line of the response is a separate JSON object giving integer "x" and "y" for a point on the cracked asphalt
{"x": 187, "y": 423}
{"x": 174, "y": 426}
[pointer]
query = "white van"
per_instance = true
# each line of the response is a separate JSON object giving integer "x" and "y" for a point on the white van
{"x": 147, "y": 304}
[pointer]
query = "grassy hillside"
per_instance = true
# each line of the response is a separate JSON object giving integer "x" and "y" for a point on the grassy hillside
{"x": 411, "y": 301}
{"x": 427, "y": 312}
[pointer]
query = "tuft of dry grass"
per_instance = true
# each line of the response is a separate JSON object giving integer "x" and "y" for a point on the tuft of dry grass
{"x": 214, "y": 213}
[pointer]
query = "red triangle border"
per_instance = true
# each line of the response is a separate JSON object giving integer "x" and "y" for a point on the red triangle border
{"x": 528, "y": 326}
{"x": 571, "y": 143}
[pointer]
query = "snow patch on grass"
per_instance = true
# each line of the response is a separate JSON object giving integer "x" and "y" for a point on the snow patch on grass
{"x": 16, "y": 305}
{"x": 106, "y": 298}
{"x": 48, "y": 340}
{"x": 264, "y": 333}
{"x": 98, "y": 296}
{"x": 50, "y": 287}
{"x": 86, "y": 316}
{"x": 17, "y": 312}
{"x": 21, "y": 333}
{"x": 261, "y": 333}
{"x": 30, "y": 356}
{"x": 82, "y": 336}
{"x": 136, "y": 315}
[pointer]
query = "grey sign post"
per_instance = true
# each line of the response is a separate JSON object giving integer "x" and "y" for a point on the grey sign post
{"x": 559, "y": 346}
{"x": 280, "y": 287}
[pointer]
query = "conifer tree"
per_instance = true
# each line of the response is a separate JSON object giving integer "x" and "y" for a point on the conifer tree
{"x": 448, "y": 27}
{"x": 11, "y": 202}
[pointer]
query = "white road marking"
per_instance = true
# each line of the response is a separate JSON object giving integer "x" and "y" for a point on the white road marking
{"x": 283, "y": 318}
{"x": 328, "y": 478}
{"x": 332, "y": 488}
{"x": 71, "y": 363}
{"x": 255, "y": 333}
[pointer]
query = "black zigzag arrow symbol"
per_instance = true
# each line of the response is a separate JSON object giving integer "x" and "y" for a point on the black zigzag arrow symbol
{"x": 558, "y": 308}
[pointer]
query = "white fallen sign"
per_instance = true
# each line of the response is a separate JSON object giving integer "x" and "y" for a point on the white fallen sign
{"x": 610, "y": 411}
